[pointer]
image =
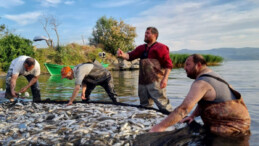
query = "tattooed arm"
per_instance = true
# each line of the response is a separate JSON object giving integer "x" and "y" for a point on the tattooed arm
{"x": 196, "y": 93}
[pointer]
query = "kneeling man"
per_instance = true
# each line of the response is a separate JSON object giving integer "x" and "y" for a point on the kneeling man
{"x": 221, "y": 108}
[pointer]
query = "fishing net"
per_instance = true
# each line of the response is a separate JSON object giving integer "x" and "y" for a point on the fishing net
{"x": 188, "y": 135}
{"x": 192, "y": 134}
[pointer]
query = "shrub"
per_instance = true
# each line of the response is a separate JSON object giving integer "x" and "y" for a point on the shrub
{"x": 13, "y": 46}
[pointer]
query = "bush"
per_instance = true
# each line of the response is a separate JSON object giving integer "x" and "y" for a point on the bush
{"x": 71, "y": 54}
{"x": 13, "y": 46}
{"x": 111, "y": 34}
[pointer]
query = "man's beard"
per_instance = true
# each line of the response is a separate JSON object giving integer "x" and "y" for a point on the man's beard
{"x": 192, "y": 74}
{"x": 147, "y": 40}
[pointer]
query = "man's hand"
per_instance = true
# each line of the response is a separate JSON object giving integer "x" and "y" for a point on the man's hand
{"x": 187, "y": 120}
{"x": 157, "y": 128}
{"x": 70, "y": 103}
{"x": 163, "y": 83}
{"x": 119, "y": 53}
{"x": 13, "y": 93}
{"x": 123, "y": 55}
{"x": 83, "y": 96}
{"x": 23, "y": 90}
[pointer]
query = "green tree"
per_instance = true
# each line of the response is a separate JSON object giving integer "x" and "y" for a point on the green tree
{"x": 2, "y": 29}
{"x": 12, "y": 46}
{"x": 110, "y": 35}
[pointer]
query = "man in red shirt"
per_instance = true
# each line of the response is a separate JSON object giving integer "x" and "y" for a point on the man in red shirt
{"x": 155, "y": 67}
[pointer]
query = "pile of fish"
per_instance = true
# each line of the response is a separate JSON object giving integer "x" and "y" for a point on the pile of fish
{"x": 79, "y": 124}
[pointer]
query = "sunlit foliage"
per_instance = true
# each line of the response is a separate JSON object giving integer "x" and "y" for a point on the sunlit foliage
{"x": 110, "y": 35}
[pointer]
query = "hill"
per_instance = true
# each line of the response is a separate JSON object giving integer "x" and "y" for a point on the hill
{"x": 227, "y": 53}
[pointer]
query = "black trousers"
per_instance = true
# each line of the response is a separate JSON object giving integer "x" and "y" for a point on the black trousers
{"x": 34, "y": 89}
{"x": 106, "y": 84}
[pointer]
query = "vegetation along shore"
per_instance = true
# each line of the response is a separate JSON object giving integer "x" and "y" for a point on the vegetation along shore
{"x": 117, "y": 35}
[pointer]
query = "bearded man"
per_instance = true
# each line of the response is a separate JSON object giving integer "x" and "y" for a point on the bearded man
{"x": 221, "y": 108}
{"x": 155, "y": 67}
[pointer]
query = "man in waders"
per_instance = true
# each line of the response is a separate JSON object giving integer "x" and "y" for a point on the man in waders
{"x": 155, "y": 66}
{"x": 89, "y": 75}
{"x": 28, "y": 67}
{"x": 221, "y": 108}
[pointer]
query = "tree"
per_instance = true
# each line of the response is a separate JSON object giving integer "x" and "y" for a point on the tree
{"x": 54, "y": 23}
{"x": 3, "y": 30}
{"x": 112, "y": 35}
{"x": 12, "y": 46}
{"x": 51, "y": 21}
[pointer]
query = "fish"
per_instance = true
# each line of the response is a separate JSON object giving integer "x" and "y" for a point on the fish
{"x": 78, "y": 124}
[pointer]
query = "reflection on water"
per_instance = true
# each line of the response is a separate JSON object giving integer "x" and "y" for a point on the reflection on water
{"x": 242, "y": 75}
{"x": 125, "y": 83}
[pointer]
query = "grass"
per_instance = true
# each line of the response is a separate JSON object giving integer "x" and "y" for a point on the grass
{"x": 179, "y": 59}
{"x": 71, "y": 54}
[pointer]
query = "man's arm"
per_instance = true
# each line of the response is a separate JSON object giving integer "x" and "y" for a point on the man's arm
{"x": 190, "y": 118}
{"x": 32, "y": 82}
{"x": 13, "y": 84}
{"x": 197, "y": 91}
{"x": 163, "y": 83}
{"x": 83, "y": 92}
{"x": 75, "y": 92}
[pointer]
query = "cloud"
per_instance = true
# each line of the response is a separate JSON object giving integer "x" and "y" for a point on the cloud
{"x": 201, "y": 25}
{"x": 24, "y": 19}
{"x": 49, "y": 3}
{"x": 114, "y": 3}
{"x": 254, "y": 1}
{"x": 10, "y": 3}
{"x": 69, "y": 2}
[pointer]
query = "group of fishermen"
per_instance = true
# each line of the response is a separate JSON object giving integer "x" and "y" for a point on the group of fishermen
{"x": 221, "y": 108}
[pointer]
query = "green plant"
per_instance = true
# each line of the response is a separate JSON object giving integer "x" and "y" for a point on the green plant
{"x": 111, "y": 35}
{"x": 12, "y": 46}
{"x": 179, "y": 59}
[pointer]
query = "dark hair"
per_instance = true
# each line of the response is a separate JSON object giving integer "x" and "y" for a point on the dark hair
{"x": 29, "y": 61}
{"x": 199, "y": 58}
{"x": 153, "y": 31}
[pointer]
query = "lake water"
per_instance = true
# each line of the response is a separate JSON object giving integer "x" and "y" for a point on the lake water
{"x": 242, "y": 75}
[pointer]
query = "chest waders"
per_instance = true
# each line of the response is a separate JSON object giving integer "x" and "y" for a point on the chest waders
{"x": 230, "y": 118}
{"x": 150, "y": 75}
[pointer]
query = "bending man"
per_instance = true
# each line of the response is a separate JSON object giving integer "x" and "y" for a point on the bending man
{"x": 155, "y": 66}
{"x": 28, "y": 67}
{"x": 89, "y": 75}
{"x": 221, "y": 108}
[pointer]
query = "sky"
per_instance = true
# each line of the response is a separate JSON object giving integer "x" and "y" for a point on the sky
{"x": 182, "y": 24}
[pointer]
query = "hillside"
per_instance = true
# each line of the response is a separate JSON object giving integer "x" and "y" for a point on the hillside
{"x": 227, "y": 53}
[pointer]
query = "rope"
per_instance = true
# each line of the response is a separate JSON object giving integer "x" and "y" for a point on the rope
{"x": 163, "y": 111}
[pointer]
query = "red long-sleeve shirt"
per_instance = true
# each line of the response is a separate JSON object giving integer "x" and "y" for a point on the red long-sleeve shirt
{"x": 158, "y": 51}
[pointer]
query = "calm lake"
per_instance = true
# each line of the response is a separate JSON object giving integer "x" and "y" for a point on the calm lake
{"x": 242, "y": 75}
